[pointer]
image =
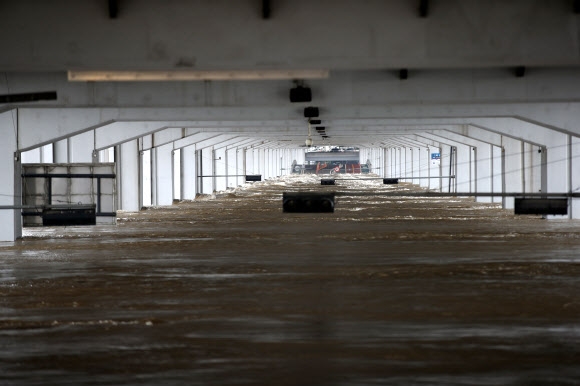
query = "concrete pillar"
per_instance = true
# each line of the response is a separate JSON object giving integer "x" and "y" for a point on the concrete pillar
{"x": 447, "y": 167}
{"x": 574, "y": 160}
{"x": 232, "y": 166}
{"x": 10, "y": 175}
{"x": 423, "y": 164}
{"x": 263, "y": 169}
{"x": 128, "y": 175}
{"x": 484, "y": 171}
{"x": 463, "y": 168}
{"x": 265, "y": 163}
{"x": 397, "y": 162}
{"x": 392, "y": 162}
{"x": 60, "y": 151}
{"x": 220, "y": 168}
{"x": 512, "y": 169}
{"x": 145, "y": 180}
{"x": 409, "y": 162}
{"x": 163, "y": 175}
{"x": 249, "y": 162}
{"x": 435, "y": 168}
{"x": 188, "y": 175}
{"x": 532, "y": 174}
{"x": 415, "y": 164}
{"x": 240, "y": 165}
{"x": 497, "y": 167}
{"x": 176, "y": 174}
{"x": 206, "y": 170}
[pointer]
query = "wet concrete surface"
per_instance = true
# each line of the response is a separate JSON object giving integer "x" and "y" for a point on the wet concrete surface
{"x": 229, "y": 290}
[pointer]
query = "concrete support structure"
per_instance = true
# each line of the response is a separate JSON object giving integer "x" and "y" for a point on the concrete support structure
{"x": 128, "y": 176}
{"x": 188, "y": 169}
{"x": 11, "y": 186}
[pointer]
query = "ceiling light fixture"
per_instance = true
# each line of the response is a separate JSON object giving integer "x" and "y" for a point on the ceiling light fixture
{"x": 184, "y": 75}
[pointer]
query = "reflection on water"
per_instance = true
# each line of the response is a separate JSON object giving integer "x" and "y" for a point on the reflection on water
{"x": 230, "y": 290}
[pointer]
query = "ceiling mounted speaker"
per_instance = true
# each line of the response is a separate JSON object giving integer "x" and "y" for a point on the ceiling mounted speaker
{"x": 403, "y": 73}
{"x": 311, "y": 112}
{"x": 300, "y": 94}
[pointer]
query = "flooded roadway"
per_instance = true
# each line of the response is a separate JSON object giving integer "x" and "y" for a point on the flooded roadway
{"x": 230, "y": 290}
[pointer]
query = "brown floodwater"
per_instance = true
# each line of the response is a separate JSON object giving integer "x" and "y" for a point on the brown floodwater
{"x": 230, "y": 290}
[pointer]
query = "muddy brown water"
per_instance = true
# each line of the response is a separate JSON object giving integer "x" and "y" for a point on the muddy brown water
{"x": 230, "y": 290}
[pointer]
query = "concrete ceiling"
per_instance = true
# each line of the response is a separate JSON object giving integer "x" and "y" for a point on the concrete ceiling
{"x": 461, "y": 59}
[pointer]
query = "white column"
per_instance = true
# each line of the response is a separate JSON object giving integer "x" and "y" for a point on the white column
{"x": 10, "y": 175}
{"x": 513, "y": 169}
{"x": 220, "y": 168}
{"x": 128, "y": 175}
{"x": 232, "y": 167}
{"x": 188, "y": 177}
{"x": 484, "y": 154}
{"x": 206, "y": 169}
{"x": 176, "y": 159}
{"x": 416, "y": 160}
{"x": 575, "y": 176}
{"x": 445, "y": 167}
{"x": 145, "y": 181}
{"x": 263, "y": 163}
{"x": 434, "y": 168}
{"x": 497, "y": 167}
{"x": 60, "y": 152}
{"x": 423, "y": 156}
{"x": 163, "y": 175}
{"x": 249, "y": 162}
{"x": 240, "y": 165}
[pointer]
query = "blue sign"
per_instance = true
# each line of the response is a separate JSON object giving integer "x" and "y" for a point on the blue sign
{"x": 435, "y": 156}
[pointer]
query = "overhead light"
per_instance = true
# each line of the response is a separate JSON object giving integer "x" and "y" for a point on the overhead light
{"x": 181, "y": 75}
{"x": 300, "y": 94}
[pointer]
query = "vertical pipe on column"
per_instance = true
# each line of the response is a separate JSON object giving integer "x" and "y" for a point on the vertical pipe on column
{"x": 450, "y": 167}
{"x": 140, "y": 177}
{"x": 523, "y": 162}
{"x": 503, "y": 182}
{"x": 570, "y": 179}
{"x": 244, "y": 166}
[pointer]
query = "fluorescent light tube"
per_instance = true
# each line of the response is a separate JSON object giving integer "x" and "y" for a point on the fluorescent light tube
{"x": 150, "y": 76}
